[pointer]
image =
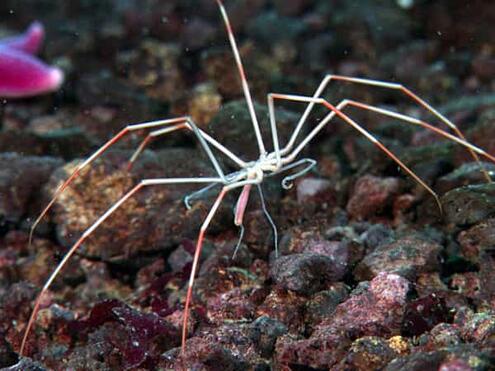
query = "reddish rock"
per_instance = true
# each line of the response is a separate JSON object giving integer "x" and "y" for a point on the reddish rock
{"x": 375, "y": 312}
{"x": 308, "y": 188}
{"x": 477, "y": 239}
{"x": 155, "y": 218}
{"x": 371, "y": 195}
{"x": 455, "y": 365}
{"x": 443, "y": 335}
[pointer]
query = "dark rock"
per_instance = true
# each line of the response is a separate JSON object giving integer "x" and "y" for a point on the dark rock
{"x": 428, "y": 161}
{"x": 270, "y": 28}
{"x": 103, "y": 89}
{"x": 25, "y": 364}
{"x": 424, "y": 313}
{"x": 197, "y": 34}
{"x": 464, "y": 175}
{"x": 233, "y": 128}
{"x": 377, "y": 235}
{"x": 306, "y": 273}
{"x": 202, "y": 354}
{"x": 482, "y": 133}
{"x": 371, "y": 195}
{"x": 284, "y": 306}
{"x": 408, "y": 256}
{"x": 322, "y": 304}
{"x": 469, "y": 205}
{"x": 21, "y": 180}
{"x": 264, "y": 332}
{"x": 291, "y": 8}
{"x": 153, "y": 66}
{"x": 410, "y": 61}
{"x": 484, "y": 66}
{"x": 445, "y": 359}
{"x": 369, "y": 353}
{"x": 8, "y": 358}
{"x": 418, "y": 361}
{"x": 65, "y": 143}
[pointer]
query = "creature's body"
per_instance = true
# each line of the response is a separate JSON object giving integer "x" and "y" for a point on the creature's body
{"x": 250, "y": 174}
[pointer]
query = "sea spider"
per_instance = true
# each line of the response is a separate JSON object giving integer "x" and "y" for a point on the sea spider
{"x": 254, "y": 172}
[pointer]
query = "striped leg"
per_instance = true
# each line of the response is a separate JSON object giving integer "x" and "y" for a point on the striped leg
{"x": 175, "y": 124}
{"x": 335, "y": 111}
{"x": 204, "y": 139}
{"x": 242, "y": 74}
{"x": 197, "y": 254}
{"x": 381, "y": 84}
{"x": 90, "y": 230}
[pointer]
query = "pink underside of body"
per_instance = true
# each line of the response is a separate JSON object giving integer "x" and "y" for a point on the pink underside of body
{"x": 241, "y": 204}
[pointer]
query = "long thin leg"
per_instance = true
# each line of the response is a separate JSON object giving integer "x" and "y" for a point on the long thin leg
{"x": 382, "y": 84}
{"x": 242, "y": 74}
{"x": 239, "y": 214}
{"x": 188, "y": 124}
{"x": 382, "y": 111}
{"x": 176, "y": 123}
{"x": 415, "y": 121}
{"x": 349, "y": 121}
{"x": 269, "y": 218}
{"x": 287, "y": 181}
{"x": 191, "y": 126}
{"x": 197, "y": 254}
{"x": 90, "y": 230}
{"x": 196, "y": 194}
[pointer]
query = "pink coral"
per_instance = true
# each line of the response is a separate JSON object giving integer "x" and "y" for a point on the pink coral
{"x": 21, "y": 73}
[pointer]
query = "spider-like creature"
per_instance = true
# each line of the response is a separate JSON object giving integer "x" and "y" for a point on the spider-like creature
{"x": 252, "y": 173}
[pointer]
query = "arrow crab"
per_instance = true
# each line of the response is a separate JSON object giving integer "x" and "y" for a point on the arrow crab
{"x": 251, "y": 174}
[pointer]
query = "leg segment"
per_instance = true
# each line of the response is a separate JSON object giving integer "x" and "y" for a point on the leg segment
{"x": 349, "y": 121}
{"x": 196, "y": 194}
{"x": 90, "y": 230}
{"x": 415, "y": 121}
{"x": 197, "y": 253}
{"x": 382, "y": 84}
{"x": 176, "y": 124}
{"x": 188, "y": 124}
{"x": 269, "y": 218}
{"x": 242, "y": 73}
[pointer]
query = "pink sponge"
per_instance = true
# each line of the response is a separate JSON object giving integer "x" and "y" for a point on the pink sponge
{"x": 21, "y": 73}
